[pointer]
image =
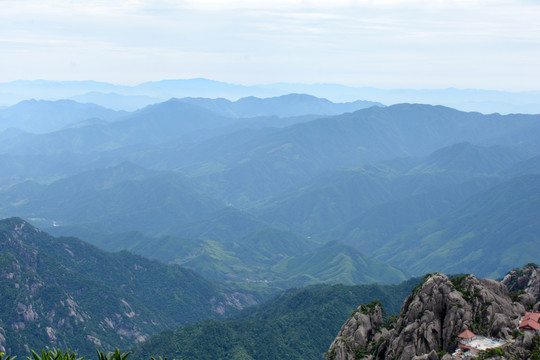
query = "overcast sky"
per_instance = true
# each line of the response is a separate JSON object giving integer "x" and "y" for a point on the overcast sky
{"x": 489, "y": 44}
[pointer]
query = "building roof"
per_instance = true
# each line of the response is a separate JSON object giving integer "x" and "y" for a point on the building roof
{"x": 531, "y": 320}
{"x": 467, "y": 334}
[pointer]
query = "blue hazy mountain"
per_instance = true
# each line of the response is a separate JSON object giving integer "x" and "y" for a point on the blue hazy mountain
{"x": 282, "y": 106}
{"x": 431, "y": 183}
{"x": 484, "y": 234}
{"x": 486, "y": 101}
{"x": 316, "y": 177}
{"x": 253, "y": 165}
{"x": 117, "y": 101}
{"x": 47, "y": 116}
{"x": 120, "y": 198}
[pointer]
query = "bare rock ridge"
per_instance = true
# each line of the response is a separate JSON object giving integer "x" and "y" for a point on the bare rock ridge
{"x": 525, "y": 284}
{"x": 357, "y": 331}
{"x": 439, "y": 309}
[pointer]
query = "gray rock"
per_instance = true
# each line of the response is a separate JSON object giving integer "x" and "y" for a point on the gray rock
{"x": 436, "y": 312}
{"x": 357, "y": 332}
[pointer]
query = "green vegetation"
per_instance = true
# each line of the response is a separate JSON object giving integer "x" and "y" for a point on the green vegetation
{"x": 535, "y": 348}
{"x": 300, "y": 188}
{"x": 487, "y": 233}
{"x": 116, "y": 355}
{"x": 4, "y": 357}
{"x": 56, "y": 354}
{"x": 278, "y": 328}
{"x": 489, "y": 353}
{"x": 457, "y": 280}
{"x": 113, "y": 299}
{"x": 280, "y": 259}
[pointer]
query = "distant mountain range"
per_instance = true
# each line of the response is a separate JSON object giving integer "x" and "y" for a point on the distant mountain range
{"x": 122, "y": 97}
{"x": 258, "y": 195}
{"x": 376, "y": 180}
{"x": 48, "y": 116}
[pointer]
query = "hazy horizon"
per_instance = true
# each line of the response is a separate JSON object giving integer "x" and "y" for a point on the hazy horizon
{"x": 391, "y": 44}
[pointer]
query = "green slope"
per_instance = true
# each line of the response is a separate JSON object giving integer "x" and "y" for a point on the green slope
{"x": 62, "y": 292}
{"x": 426, "y": 185}
{"x": 486, "y": 234}
{"x": 372, "y": 229}
{"x": 299, "y": 324}
{"x": 270, "y": 257}
{"x": 225, "y": 225}
{"x": 336, "y": 263}
{"x": 290, "y": 156}
{"x": 121, "y": 198}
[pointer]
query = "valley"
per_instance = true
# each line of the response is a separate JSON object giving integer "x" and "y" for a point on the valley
{"x": 260, "y": 218}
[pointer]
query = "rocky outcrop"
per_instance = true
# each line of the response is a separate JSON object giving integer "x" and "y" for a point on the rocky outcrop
{"x": 433, "y": 315}
{"x": 524, "y": 285}
{"x": 355, "y": 334}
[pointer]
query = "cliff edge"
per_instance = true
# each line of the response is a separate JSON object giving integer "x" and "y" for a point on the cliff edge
{"x": 437, "y": 311}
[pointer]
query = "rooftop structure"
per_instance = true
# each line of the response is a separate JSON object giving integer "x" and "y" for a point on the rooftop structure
{"x": 530, "y": 322}
{"x": 467, "y": 334}
{"x": 470, "y": 344}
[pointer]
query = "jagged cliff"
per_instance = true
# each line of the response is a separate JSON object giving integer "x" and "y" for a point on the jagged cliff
{"x": 524, "y": 286}
{"x": 438, "y": 310}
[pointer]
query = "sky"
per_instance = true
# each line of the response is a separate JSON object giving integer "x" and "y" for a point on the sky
{"x": 390, "y": 44}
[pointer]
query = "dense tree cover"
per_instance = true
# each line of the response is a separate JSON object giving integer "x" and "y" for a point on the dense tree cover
{"x": 366, "y": 179}
{"x": 486, "y": 234}
{"x": 299, "y": 324}
{"x": 280, "y": 259}
{"x": 64, "y": 292}
{"x": 370, "y": 178}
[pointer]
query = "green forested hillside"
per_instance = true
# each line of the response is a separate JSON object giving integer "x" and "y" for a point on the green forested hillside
{"x": 265, "y": 204}
{"x": 225, "y": 225}
{"x": 276, "y": 258}
{"x": 336, "y": 263}
{"x": 373, "y": 228}
{"x": 485, "y": 234}
{"x": 65, "y": 293}
{"x": 298, "y": 324}
{"x": 434, "y": 183}
{"x": 121, "y": 198}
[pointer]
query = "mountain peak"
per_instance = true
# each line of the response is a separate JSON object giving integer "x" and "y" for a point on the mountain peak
{"x": 16, "y": 227}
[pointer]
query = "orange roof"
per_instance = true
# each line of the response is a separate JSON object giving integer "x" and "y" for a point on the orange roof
{"x": 467, "y": 334}
{"x": 531, "y": 320}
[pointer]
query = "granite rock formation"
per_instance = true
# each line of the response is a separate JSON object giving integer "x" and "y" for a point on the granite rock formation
{"x": 434, "y": 314}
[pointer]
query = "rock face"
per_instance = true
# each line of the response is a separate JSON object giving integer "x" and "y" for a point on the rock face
{"x": 525, "y": 285}
{"x": 354, "y": 335}
{"x": 431, "y": 318}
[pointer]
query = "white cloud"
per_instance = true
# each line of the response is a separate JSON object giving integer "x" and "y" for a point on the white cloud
{"x": 390, "y": 43}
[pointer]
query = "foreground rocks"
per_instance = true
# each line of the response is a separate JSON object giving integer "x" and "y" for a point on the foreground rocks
{"x": 438, "y": 310}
